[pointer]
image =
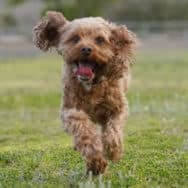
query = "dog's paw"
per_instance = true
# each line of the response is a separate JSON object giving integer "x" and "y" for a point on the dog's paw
{"x": 113, "y": 153}
{"x": 97, "y": 165}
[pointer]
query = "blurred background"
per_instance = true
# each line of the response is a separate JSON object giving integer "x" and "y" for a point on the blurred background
{"x": 160, "y": 24}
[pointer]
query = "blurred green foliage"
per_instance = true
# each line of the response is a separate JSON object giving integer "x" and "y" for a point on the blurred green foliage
{"x": 78, "y": 8}
{"x": 135, "y": 10}
{"x": 149, "y": 10}
{"x": 15, "y": 2}
{"x": 7, "y": 19}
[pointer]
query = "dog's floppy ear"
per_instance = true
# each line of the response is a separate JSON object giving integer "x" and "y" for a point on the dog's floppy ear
{"x": 46, "y": 33}
{"x": 125, "y": 42}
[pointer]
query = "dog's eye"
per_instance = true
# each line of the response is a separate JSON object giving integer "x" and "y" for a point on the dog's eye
{"x": 75, "y": 39}
{"x": 100, "y": 40}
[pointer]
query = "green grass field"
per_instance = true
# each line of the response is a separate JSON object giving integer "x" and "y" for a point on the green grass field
{"x": 35, "y": 152}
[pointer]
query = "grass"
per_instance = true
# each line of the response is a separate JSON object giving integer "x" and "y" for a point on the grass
{"x": 35, "y": 152}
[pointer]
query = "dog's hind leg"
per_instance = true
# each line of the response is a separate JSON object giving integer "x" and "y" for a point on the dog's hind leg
{"x": 87, "y": 140}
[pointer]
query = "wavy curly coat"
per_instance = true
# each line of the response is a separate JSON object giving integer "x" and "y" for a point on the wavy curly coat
{"x": 105, "y": 51}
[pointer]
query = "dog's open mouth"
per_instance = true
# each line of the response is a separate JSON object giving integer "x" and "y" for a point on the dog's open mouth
{"x": 85, "y": 70}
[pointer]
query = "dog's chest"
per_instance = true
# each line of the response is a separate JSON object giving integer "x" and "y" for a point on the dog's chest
{"x": 103, "y": 104}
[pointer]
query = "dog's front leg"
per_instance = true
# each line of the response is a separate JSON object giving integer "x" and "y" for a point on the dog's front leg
{"x": 112, "y": 137}
{"x": 87, "y": 140}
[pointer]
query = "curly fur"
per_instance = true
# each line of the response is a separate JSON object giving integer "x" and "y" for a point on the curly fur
{"x": 100, "y": 101}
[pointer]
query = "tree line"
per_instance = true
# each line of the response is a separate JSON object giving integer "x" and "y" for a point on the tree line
{"x": 132, "y": 10}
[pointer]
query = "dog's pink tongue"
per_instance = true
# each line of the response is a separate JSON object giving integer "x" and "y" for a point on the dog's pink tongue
{"x": 84, "y": 71}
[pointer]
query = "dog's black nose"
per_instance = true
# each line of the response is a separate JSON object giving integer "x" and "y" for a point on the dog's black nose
{"x": 86, "y": 51}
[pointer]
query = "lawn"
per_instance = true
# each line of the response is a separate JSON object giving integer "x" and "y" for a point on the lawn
{"x": 35, "y": 152}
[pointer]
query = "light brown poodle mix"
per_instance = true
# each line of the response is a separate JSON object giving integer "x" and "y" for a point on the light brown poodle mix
{"x": 98, "y": 56}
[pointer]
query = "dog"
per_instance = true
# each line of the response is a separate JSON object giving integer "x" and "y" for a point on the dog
{"x": 98, "y": 56}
